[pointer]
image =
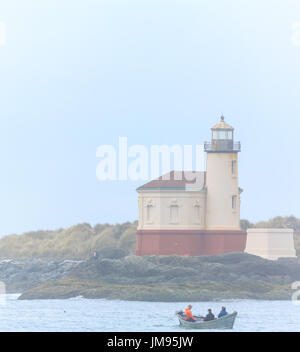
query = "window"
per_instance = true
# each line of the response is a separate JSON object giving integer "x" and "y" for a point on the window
{"x": 234, "y": 198}
{"x": 215, "y": 135}
{"x": 174, "y": 213}
{"x": 223, "y": 134}
{"x": 149, "y": 212}
{"x": 233, "y": 167}
{"x": 197, "y": 212}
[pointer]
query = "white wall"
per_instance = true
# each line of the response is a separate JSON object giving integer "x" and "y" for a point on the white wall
{"x": 271, "y": 243}
{"x": 222, "y": 184}
{"x": 172, "y": 209}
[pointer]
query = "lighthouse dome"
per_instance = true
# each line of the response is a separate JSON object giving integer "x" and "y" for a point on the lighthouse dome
{"x": 222, "y": 125}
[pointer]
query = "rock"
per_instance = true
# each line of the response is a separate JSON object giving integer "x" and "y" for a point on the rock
{"x": 180, "y": 273}
{"x": 109, "y": 266}
{"x": 228, "y": 275}
{"x": 19, "y": 275}
{"x": 112, "y": 253}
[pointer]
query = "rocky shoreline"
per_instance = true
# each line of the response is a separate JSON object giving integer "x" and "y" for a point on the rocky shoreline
{"x": 21, "y": 275}
{"x": 115, "y": 275}
{"x": 204, "y": 291}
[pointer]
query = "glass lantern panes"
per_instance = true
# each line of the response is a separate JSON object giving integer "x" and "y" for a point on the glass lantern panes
{"x": 222, "y": 134}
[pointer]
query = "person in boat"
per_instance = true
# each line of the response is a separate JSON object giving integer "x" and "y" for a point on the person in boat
{"x": 222, "y": 313}
{"x": 188, "y": 314}
{"x": 209, "y": 316}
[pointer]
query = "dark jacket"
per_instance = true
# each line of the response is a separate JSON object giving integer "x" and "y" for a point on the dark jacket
{"x": 209, "y": 317}
{"x": 222, "y": 313}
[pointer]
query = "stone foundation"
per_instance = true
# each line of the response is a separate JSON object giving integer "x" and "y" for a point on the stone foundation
{"x": 190, "y": 242}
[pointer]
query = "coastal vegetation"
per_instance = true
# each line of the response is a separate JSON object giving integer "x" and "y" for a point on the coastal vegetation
{"x": 76, "y": 242}
{"x": 81, "y": 241}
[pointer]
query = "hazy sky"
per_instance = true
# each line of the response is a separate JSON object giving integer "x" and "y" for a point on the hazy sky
{"x": 78, "y": 74}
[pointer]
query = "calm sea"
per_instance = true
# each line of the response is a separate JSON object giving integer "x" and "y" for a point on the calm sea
{"x": 79, "y": 314}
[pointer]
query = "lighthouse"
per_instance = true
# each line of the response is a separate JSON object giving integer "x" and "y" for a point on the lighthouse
{"x": 223, "y": 192}
{"x": 177, "y": 217}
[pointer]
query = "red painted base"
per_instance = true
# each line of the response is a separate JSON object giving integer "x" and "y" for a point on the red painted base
{"x": 189, "y": 242}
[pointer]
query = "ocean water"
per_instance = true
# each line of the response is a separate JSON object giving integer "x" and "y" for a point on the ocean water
{"x": 80, "y": 314}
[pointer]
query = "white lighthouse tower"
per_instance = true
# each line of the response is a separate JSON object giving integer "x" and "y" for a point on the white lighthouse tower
{"x": 223, "y": 193}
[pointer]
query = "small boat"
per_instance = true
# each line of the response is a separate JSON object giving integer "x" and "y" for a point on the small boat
{"x": 225, "y": 322}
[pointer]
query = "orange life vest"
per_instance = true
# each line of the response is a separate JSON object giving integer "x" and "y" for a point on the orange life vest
{"x": 188, "y": 314}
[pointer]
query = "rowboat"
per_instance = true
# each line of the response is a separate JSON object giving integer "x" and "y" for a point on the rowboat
{"x": 225, "y": 322}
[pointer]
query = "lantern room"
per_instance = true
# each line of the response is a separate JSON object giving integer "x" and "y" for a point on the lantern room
{"x": 222, "y": 139}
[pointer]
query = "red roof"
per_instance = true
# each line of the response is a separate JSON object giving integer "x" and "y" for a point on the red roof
{"x": 177, "y": 180}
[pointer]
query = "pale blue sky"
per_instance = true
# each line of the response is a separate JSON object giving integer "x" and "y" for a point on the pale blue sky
{"x": 78, "y": 74}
